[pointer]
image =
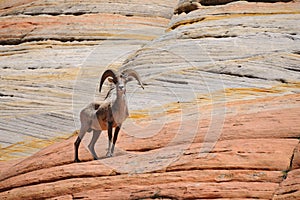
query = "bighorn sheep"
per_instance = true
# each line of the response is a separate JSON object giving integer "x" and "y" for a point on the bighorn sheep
{"x": 108, "y": 114}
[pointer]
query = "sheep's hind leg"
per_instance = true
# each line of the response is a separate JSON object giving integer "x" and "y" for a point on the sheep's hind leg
{"x": 109, "y": 131}
{"x": 96, "y": 134}
{"x": 115, "y": 139}
{"x": 81, "y": 134}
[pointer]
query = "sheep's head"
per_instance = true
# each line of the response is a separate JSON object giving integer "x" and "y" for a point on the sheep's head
{"x": 120, "y": 79}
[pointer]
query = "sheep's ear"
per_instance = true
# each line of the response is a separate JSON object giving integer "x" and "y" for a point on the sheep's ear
{"x": 111, "y": 80}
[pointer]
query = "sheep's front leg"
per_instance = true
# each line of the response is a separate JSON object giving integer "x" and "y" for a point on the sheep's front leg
{"x": 109, "y": 131}
{"x": 115, "y": 139}
{"x": 81, "y": 134}
{"x": 96, "y": 134}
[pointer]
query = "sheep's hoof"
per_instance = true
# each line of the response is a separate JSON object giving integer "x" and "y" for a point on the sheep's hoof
{"x": 109, "y": 154}
{"x": 96, "y": 158}
{"x": 77, "y": 160}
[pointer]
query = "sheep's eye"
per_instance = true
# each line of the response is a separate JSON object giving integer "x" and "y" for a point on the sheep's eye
{"x": 124, "y": 76}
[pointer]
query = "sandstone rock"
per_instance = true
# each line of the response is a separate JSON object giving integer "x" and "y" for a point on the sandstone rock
{"x": 289, "y": 188}
{"x": 218, "y": 117}
{"x": 48, "y": 55}
{"x": 296, "y": 158}
{"x": 89, "y": 27}
{"x": 187, "y": 6}
{"x": 133, "y": 8}
{"x": 235, "y": 168}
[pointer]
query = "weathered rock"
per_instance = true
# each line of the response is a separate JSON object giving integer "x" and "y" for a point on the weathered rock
{"x": 48, "y": 58}
{"x": 89, "y": 27}
{"x": 218, "y": 117}
{"x": 187, "y": 6}
{"x": 152, "y": 8}
{"x": 296, "y": 159}
{"x": 235, "y": 168}
{"x": 290, "y": 187}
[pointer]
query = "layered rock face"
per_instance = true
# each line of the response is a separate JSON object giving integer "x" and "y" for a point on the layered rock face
{"x": 51, "y": 49}
{"x": 218, "y": 117}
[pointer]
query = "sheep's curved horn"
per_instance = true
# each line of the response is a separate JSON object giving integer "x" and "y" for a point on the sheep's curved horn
{"x": 134, "y": 74}
{"x": 108, "y": 73}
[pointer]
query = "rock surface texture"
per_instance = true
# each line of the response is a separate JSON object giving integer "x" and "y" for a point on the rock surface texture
{"x": 219, "y": 116}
